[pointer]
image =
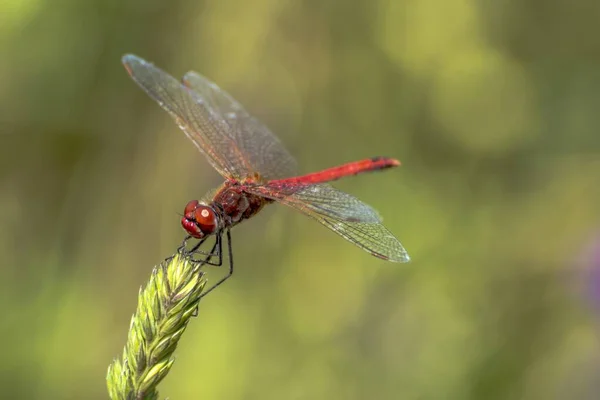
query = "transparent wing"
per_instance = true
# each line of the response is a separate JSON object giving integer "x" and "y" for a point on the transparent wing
{"x": 263, "y": 150}
{"x": 202, "y": 120}
{"x": 344, "y": 214}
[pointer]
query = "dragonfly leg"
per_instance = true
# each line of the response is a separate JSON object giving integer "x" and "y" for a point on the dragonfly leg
{"x": 181, "y": 248}
{"x": 215, "y": 251}
{"x": 196, "y": 248}
{"x": 207, "y": 260}
{"x": 230, "y": 252}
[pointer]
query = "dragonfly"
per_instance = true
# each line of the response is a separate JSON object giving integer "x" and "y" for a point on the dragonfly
{"x": 258, "y": 170}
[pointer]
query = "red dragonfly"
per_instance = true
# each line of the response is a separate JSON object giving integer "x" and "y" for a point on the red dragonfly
{"x": 257, "y": 169}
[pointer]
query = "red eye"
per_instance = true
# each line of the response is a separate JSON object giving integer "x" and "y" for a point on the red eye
{"x": 190, "y": 207}
{"x": 206, "y": 219}
{"x": 199, "y": 220}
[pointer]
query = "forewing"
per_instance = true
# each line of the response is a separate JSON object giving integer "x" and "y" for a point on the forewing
{"x": 195, "y": 116}
{"x": 260, "y": 147}
{"x": 344, "y": 214}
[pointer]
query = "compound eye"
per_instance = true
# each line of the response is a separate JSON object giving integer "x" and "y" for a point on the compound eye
{"x": 206, "y": 219}
{"x": 190, "y": 208}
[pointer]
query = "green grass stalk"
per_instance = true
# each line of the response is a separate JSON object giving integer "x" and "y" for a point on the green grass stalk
{"x": 164, "y": 309}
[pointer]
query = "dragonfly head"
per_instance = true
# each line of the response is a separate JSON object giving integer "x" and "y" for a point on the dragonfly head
{"x": 199, "y": 220}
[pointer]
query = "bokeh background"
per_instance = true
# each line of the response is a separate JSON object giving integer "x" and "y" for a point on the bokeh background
{"x": 492, "y": 106}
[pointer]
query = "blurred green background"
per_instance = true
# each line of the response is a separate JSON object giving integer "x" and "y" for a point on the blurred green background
{"x": 492, "y": 107}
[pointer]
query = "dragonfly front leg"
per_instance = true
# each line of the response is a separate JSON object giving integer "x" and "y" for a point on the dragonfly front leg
{"x": 216, "y": 251}
{"x": 230, "y": 272}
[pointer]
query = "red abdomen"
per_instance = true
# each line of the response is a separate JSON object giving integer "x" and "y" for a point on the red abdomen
{"x": 334, "y": 173}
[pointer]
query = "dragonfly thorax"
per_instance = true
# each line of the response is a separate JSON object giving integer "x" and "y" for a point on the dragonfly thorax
{"x": 199, "y": 220}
